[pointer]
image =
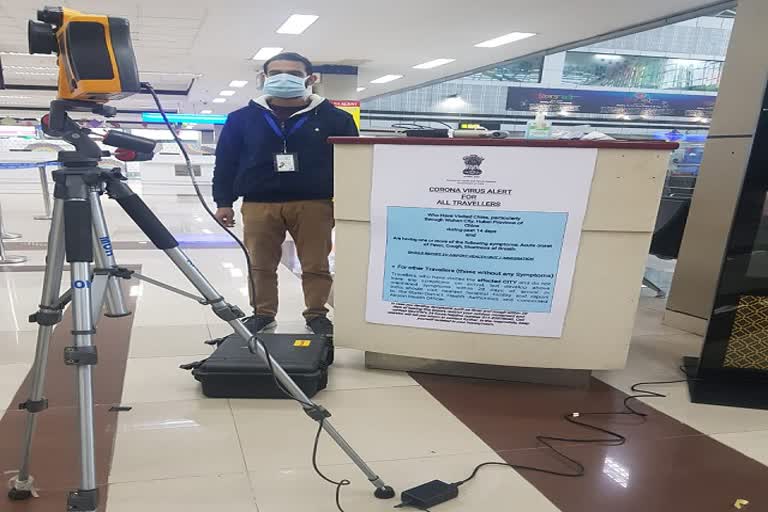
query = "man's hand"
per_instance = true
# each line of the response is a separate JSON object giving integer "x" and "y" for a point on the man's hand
{"x": 225, "y": 216}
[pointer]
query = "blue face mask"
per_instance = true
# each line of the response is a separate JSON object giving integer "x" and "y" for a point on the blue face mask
{"x": 285, "y": 86}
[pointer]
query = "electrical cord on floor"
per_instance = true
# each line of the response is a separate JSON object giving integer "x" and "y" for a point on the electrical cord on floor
{"x": 438, "y": 492}
{"x": 247, "y": 256}
{"x": 614, "y": 439}
{"x": 340, "y": 483}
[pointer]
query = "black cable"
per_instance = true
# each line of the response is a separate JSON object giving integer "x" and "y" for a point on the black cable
{"x": 614, "y": 439}
{"x": 244, "y": 249}
{"x": 339, "y": 484}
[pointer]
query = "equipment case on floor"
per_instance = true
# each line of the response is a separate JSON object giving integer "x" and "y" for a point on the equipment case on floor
{"x": 232, "y": 371}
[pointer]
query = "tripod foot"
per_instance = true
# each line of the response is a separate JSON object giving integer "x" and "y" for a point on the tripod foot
{"x": 118, "y": 316}
{"x": 19, "y": 494}
{"x": 384, "y": 493}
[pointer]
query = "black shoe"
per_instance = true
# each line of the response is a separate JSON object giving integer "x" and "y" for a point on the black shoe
{"x": 260, "y": 323}
{"x": 320, "y": 325}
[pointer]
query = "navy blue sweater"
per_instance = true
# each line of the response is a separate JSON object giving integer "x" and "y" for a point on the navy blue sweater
{"x": 247, "y": 145}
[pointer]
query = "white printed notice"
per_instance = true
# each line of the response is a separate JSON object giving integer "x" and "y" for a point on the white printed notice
{"x": 476, "y": 239}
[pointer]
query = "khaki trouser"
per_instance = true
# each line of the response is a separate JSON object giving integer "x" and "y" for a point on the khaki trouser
{"x": 310, "y": 224}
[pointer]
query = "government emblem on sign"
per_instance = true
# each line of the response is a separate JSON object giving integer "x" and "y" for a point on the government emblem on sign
{"x": 472, "y": 165}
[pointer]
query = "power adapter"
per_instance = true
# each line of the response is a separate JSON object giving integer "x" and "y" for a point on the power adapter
{"x": 429, "y": 494}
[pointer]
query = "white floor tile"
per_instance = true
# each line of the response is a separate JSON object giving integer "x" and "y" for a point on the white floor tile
{"x": 159, "y": 379}
{"x": 19, "y": 297}
{"x": 349, "y": 372}
{"x": 381, "y": 424}
{"x": 751, "y": 444}
{"x": 17, "y": 346}
{"x": 276, "y": 490}
{"x": 225, "y": 493}
{"x": 168, "y": 341}
{"x": 175, "y": 440}
{"x": 648, "y": 322}
{"x": 11, "y": 377}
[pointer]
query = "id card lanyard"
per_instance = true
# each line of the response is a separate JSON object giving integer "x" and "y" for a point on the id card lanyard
{"x": 280, "y": 131}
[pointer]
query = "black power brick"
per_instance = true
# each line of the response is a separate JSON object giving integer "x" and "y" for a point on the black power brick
{"x": 429, "y": 494}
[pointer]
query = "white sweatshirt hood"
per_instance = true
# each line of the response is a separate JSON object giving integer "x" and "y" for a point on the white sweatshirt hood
{"x": 314, "y": 101}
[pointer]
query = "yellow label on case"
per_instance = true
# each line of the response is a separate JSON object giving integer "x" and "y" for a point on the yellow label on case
{"x": 302, "y": 343}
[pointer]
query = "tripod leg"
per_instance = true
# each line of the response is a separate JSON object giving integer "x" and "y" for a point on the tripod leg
{"x": 164, "y": 240}
{"x": 650, "y": 284}
{"x": 82, "y": 355}
{"x": 105, "y": 257}
{"x": 47, "y": 316}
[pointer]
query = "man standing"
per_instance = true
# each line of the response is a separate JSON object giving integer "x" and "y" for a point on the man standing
{"x": 274, "y": 154}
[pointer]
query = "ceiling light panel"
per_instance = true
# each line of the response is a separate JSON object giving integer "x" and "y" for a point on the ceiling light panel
{"x": 297, "y": 24}
{"x": 505, "y": 39}
{"x": 238, "y": 83}
{"x": 267, "y": 53}
{"x": 227, "y": 93}
{"x": 386, "y": 79}
{"x": 434, "y": 63}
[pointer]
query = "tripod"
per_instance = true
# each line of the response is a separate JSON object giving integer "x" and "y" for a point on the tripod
{"x": 79, "y": 234}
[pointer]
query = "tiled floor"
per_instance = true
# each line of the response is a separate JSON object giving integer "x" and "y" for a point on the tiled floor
{"x": 178, "y": 451}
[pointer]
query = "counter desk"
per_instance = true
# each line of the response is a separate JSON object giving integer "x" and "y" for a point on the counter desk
{"x": 507, "y": 259}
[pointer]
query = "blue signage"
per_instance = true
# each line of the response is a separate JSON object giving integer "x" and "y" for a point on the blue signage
{"x": 584, "y": 101}
{"x": 152, "y": 117}
{"x": 510, "y": 264}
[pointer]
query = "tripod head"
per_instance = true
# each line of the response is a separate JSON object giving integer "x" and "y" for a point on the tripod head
{"x": 58, "y": 124}
{"x": 96, "y": 64}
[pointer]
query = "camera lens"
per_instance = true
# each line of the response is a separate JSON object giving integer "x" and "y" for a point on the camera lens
{"x": 51, "y": 15}
{"x": 41, "y": 38}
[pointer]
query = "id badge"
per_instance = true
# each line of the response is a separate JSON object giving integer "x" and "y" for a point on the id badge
{"x": 286, "y": 162}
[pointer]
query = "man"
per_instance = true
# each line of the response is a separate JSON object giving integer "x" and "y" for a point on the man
{"x": 274, "y": 154}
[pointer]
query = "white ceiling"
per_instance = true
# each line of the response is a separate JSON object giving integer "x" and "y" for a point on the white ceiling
{"x": 177, "y": 40}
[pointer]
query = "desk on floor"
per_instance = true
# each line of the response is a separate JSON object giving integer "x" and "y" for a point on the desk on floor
{"x": 587, "y": 321}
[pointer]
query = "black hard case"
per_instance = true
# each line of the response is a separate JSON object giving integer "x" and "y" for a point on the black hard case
{"x": 232, "y": 371}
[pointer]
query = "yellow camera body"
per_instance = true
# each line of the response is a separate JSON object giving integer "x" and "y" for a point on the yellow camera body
{"x": 95, "y": 54}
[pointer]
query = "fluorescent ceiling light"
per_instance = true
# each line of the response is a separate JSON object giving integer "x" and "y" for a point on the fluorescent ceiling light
{"x": 27, "y": 54}
{"x": 30, "y": 73}
{"x": 267, "y": 53}
{"x": 227, "y": 93}
{"x": 386, "y": 78}
{"x": 360, "y": 89}
{"x": 505, "y": 39}
{"x": 206, "y": 111}
{"x": 434, "y": 63}
{"x": 170, "y": 73}
{"x": 297, "y": 23}
{"x": 238, "y": 83}
{"x": 219, "y": 100}
{"x": 35, "y": 68}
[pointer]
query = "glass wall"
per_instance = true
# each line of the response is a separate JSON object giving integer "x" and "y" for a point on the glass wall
{"x": 658, "y": 84}
{"x": 523, "y": 71}
{"x": 632, "y": 71}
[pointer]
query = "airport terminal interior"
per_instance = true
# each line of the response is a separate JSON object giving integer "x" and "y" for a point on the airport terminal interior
{"x": 550, "y": 284}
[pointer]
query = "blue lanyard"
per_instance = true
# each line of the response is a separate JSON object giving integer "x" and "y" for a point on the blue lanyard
{"x": 279, "y": 131}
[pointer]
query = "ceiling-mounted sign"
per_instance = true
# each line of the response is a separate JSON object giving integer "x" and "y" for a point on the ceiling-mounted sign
{"x": 584, "y": 101}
